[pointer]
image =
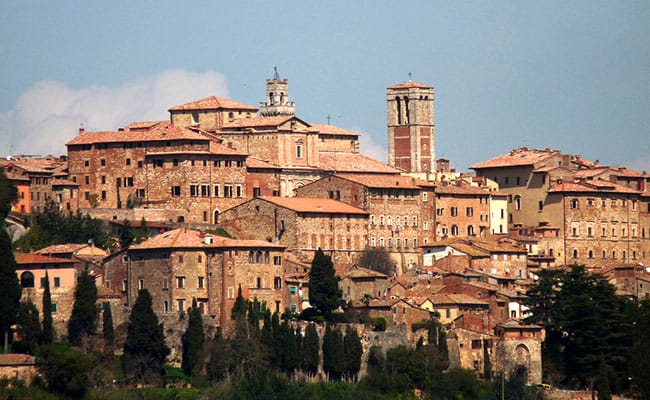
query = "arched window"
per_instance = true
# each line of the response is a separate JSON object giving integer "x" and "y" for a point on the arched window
{"x": 251, "y": 256}
{"x": 389, "y": 220}
{"x": 454, "y": 230}
{"x": 271, "y": 99}
{"x": 27, "y": 279}
{"x": 398, "y": 105}
{"x": 517, "y": 202}
{"x": 575, "y": 253}
{"x": 258, "y": 257}
{"x": 470, "y": 230}
{"x": 591, "y": 254}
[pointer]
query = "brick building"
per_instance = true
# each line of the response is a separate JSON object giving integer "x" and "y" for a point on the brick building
{"x": 461, "y": 210}
{"x": 400, "y": 214}
{"x": 183, "y": 264}
{"x": 302, "y": 225}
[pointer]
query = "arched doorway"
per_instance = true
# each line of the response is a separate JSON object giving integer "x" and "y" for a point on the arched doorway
{"x": 215, "y": 216}
{"x": 522, "y": 362}
{"x": 27, "y": 279}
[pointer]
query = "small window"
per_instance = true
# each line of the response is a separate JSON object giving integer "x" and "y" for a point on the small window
{"x": 180, "y": 282}
{"x": 57, "y": 281}
{"x": 201, "y": 282}
{"x": 54, "y": 307}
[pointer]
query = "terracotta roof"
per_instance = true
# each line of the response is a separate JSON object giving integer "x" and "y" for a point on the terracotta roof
{"x": 410, "y": 84}
{"x": 591, "y": 187}
{"x": 32, "y": 258}
{"x": 324, "y": 129}
{"x": 254, "y": 162}
{"x": 461, "y": 190}
{"x": 314, "y": 205}
{"x": 259, "y": 122}
{"x": 213, "y": 103}
{"x": 189, "y": 238}
{"x": 61, "y": 248}
{"x": 382, "y": 181}
{"x": 517, "y": 157}
{"x": 360, "y": 272}
{"x": 144, "y": 125}
{"x": 7, "y": 360}
{"x": 622, "y": 171}
{"x": 158, "y": 133}
{"x": 353, "y": 162}
{"x": 589, "y": 173}
{"x": 451, "y": 298}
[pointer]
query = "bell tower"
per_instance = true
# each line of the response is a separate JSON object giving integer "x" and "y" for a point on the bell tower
{"x": 411, "y": 127}
{"x": 277, "y": 97}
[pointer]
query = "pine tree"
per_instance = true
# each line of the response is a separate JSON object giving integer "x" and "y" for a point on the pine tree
{"x": 83, "y": 320}
{"x": 29, "y": 327}
{"x": 310, "y": 351}
{"x": 107, "y": 324}
{"x": 145, "y": 350}
{"x": 9, "y": 285}
{"x": 324, "y": 292}
{"x": 352, "y": 354}
{"x": 47, "y": 333}
{"x": 193, "y": 341}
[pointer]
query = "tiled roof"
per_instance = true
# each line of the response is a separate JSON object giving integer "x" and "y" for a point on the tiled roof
{"x": 32, "y": 258}
{"x": 382, "y": 181}
{"x": 144, "y": 125}
{"x": 213, "y": 103}
{"x": 188, "y": 238}
{"x": 353, "y": 162}
{"x": 630, "y": 173}
{"x": 591, "y": 187}
{"x": 314, "y": 205}
{"x": 450, "y": 298}
{"x": 324, "y": 129}
{"x": 259, "y": 122}
{"x": 61, "y": 248}
{"x": 517, "y": 157}
{"x": 360, "y": 272}
{"x": 410, "y": 84}
{"x": 254, "y": 162}
{"x": 461, "y": 190}
{"x": 158, "y": 133}
{"x": 589, "y": 173}
{"x": 12, "y": 359}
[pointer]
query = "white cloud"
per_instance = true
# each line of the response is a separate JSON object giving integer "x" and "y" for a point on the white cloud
{"x": 370, "y": 148}
{"x": 49, "y": 114}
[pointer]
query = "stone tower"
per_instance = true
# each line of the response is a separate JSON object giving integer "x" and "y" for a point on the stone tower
{"x": 277, "y": 98}
{"x": 411, "y": 128}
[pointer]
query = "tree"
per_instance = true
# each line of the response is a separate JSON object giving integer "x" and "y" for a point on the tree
{"x": 8, "y": 195}
{"x": 638, "y": 353}
{"x": 29, "y": 328}
{"x": 107, "y": 324}
{"x": 239, "y": 308}
{"x": 310, "y": 351}
{"x": 9, "y": 286}
{"x": 218, "y": 364}
{"x": 83, "y": 320}
{"x": 66, "y": 370}
{"x": 333, "y": 353}
{"x": 324, "y": 292}
{"x": 377, "y": 259}
{"x": 193, "y": 341}
{"x": 353, "y": 353}
{"x": 145, "y": 350}
{"x": 47, "y": 333}
{"x": 126, "y": 234}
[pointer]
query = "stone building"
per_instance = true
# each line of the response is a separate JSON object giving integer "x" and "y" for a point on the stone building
{"x": 360, "y": 283}
{"x": 31, "y": 270}
{"x": 184, "y": 264}
{"x": 411, "y": 127}
{"x": 399, "y": 208}
{"x": 461, "y": 210}
{"x": 302, "y": 225}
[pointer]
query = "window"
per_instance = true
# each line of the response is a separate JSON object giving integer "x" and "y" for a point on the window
{"x": 140, "y": 284}
{"x": 102, "y": 162}
{"x": 389, "y": 220}
{"x": 381, "y": 242}
{"x": 227, "y": 190}
{"x": 454, "y": 230}
{"x": 574, "y": 203}
{"x": 540, "y": 206}
{"x": 415, "y": 242}
{"x": 128, "y": 161}
{"x": 103, "y": 195}
{"x": 299, "y": 151}
{"x": 140, "y": 164}
{"x": 194, "y": 190}
{"x": 217, "y": 163}
{"x": 238, "y": 191}
{"x": 201, "y": 282}
{"x": 415, "y": 220}
{"x": 87, "y": 180}
{"x": 373, "y": 242}
{"x": 180, "y": 282}
{"x": 205, "y": 190}
{"x": 381, "y": 220}
{"x": 181, "y": 304}
{"x": 470, "y": 230}
{"x": 575, "y": 253}
{"x": 517, "y": 202}
{"x": 27, "y": 279}
{"x": 103, "y": 179}
{"x": 454, "y": 211}
{"x": 425, "y": 225}
{"x": 425, "y": 196}
{"x": 292, "y": 289}
{"x": 216, "y": 190}
{"x": 372, "y": 220}
{"x": 176, "y": 191}
{"x": 54, "y": 307}
{"x": 277, "y": 260}
{"x": 231, "y": 292}
{"x": 470, "y": 211}
{"x": 166, "y": 306}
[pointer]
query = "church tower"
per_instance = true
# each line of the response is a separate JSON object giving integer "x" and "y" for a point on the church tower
{"x": 411, "y": 128}
{"x": 277, "y": 98}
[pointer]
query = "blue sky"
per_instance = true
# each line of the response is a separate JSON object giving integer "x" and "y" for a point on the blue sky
{"x": 574, "y": 76}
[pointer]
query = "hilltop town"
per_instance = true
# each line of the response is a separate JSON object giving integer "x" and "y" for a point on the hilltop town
{"x": 232, "y": 197}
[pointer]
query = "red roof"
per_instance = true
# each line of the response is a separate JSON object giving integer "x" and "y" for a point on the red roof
{"x": 323, "y": 129}
{"x": 591, "y": 187}
{"x": 31, "y": 258}
{"x": 253, "y": 162}
{"x": 353, "y": 162}
{"x": 517, "y": 157}
{"x": 157, "y": 133}
{"x": 213, "y": 103}
{"x": 410, "y": 84}
{"x": 381, "y": 180}
{"x": 189, "y": 238}
{"x": 259, "y": 122}
{"x": 314, "y": 205}
{"x": 462, "y": 190}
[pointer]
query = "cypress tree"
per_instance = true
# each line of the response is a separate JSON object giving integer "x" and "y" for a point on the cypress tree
{"x": 310, "y": 351}
{"x": 9, "y": 285}
{"x": 29, "y": 327}
{"x": 239, "y": 308}
{"x": 333, "y": 353}
{"x": 83, "y": 320}
{"x": 47, "y": 334}
{"x": 324, "y": 292}
{"x": 352, "y": 353}
{"x": 193, "y": 340}
{"x": 107, "y": 324}
{"x": 145, "y": 350}
{"x": 219, "y": 360}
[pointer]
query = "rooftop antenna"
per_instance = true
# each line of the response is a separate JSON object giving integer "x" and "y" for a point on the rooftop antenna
{"x": 276, "y": 76}
{"x": 410, "y": 74}
{"x": 328, "y": 119}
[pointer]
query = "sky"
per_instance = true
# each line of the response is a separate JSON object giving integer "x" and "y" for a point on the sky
{"x": 569, "y": 75}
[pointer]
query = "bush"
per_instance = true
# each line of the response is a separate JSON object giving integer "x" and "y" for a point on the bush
{"x": 379, "y": 324}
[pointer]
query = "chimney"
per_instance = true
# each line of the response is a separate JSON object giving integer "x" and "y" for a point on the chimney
{"x": 81, "y": 129}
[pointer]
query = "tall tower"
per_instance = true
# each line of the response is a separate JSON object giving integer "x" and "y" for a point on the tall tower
{"x": 277, "y": 98}
{"x": 411, "y": 128}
